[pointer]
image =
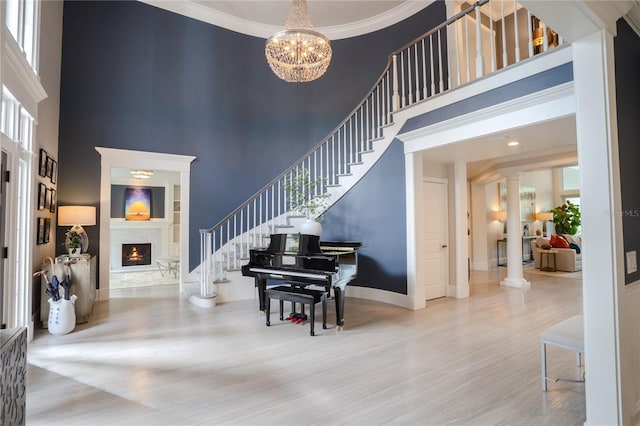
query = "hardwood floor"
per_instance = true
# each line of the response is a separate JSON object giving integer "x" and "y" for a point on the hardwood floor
{"x": 147, "y": 357}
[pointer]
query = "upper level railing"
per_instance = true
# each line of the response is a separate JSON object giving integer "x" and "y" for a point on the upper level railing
{"x": 482, "y": 38}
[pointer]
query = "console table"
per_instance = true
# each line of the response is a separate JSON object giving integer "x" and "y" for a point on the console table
{"x": 526, "y": 249}
{"x": 83, "y": 285}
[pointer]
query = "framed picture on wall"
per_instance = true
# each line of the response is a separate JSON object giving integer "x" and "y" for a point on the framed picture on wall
{"x": 40, "y": 228}
{"x": 47, "y": 229}
{"x": 137, "y": 204}
{"x": 47, "y": 199}
{"x": 54, "y": 171}
{"x": 42, "y": 195}
{"x": 527, "y": 201}
{"x": 42, "y": 169}
{"x": 49, "y": 166}
{"x": 52, "y": 207}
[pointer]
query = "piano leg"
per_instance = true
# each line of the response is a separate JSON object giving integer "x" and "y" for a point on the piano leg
{"x": 261, "y": 283}
{"x": 339, "y": 299}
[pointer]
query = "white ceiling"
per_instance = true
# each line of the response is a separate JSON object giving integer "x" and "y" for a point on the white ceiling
{"x": 261, "y": 18}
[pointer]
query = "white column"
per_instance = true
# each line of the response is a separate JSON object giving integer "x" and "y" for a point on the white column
{"x": 415, "y": 231}
{"x": 603, "y": 283}
{"x": 462, "y": 244}
{"x": 515, "y": 277}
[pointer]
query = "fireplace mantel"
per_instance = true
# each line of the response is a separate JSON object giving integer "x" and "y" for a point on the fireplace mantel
{"x": 155, "y": 231}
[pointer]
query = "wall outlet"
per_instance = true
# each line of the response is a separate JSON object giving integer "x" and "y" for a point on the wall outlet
{"x": 632, "y": 262}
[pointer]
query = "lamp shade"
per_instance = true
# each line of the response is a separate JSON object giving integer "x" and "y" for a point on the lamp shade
{"x": 544, "y": 216}
{"x": 76, "y": 215}
{"x": 499, "y": 215}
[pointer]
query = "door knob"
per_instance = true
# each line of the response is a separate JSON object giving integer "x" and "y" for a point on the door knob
{"x": 444, "y": 246}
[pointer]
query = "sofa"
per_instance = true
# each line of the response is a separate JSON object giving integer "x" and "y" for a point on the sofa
{"x": 567, "y": 259}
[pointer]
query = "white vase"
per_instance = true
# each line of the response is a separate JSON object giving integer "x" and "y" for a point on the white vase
{"x": 62, "y": 315}
{"x": 74, "y": 252}
{"x": 310, "y": 227}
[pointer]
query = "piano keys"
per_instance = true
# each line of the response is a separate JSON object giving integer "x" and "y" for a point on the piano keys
{"x": 330, "y": 264}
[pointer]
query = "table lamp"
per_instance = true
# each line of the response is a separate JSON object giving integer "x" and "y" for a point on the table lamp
{"x": 500, "y": 216}
{"x": 544, "y": 217}
{"x": 76, "y": 217}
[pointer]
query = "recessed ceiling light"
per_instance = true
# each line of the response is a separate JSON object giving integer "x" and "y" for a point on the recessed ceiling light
{"x": 513, "y": 143}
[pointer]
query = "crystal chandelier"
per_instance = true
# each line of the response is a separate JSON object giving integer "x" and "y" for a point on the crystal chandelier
{"x": 298, "y": 53}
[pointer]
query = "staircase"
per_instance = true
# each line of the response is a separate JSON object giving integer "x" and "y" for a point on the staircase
{"x": 414, "y": 74}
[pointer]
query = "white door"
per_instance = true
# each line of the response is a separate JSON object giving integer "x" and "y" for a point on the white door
{"x": 436, "y": 250}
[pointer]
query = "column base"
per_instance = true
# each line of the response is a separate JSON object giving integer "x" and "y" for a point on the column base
{"x": 515, "y": 282}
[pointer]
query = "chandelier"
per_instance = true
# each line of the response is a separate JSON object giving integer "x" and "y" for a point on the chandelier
{"x": 298, "y": 53}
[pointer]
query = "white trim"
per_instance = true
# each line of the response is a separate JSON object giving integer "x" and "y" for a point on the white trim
{"x": 112, "y": 158}
{"x": 378, "y": 295}
{"x": 218, "y": 18}
{"x": 552, "y": 103}
{"x": 526, "y": 68}
{"x": 18, "y": 75}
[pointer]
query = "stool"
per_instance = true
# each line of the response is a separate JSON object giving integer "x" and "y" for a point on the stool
{"x": 567, "y": 334}
{"x": 297, "y": 295}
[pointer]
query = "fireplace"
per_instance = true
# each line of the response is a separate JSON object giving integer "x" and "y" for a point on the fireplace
{"x": 136, "y": 254}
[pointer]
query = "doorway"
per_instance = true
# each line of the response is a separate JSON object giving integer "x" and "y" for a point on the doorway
{"x": 435, "y": 237}
{"x": 144, "y": 253}
{"x": 118, "y": 158}
{"x": 3, "y": 207}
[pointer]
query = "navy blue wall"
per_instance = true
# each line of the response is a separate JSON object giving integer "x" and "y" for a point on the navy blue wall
{"x": 137, "y": 77}
{"x": 627, "y": 56}
{"x": 373, "y": 212}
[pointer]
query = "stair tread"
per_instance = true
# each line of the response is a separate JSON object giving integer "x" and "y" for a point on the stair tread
{"x": 357, "y": 163}
{"x": 345, "y": 174}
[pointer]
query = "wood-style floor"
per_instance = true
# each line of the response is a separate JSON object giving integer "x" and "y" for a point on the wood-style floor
{"x": 147, "y": 357}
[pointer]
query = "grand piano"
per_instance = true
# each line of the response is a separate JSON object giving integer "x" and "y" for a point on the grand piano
{"x": 330, "y": 264}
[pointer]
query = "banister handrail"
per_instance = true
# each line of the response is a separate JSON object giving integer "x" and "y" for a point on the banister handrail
{"x": 440, "y": 26}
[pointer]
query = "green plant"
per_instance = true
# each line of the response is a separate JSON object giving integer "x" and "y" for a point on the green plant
{"x": 73, "y": 240}
{"x": 303, "y": 194}
{"x": 566, "y": 218}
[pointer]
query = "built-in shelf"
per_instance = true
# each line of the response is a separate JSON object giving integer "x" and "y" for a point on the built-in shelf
{"x": 176, "y": 214}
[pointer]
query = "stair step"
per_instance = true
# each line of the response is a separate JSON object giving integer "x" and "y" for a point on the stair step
{"x": 345, "y": 174}
{"x": 379, "y": 138}
{"x": 333, "y": 185}
{"x": 367, "y": 151}
{"x": 357, "y": 163}
{"x": 387, "y": 125}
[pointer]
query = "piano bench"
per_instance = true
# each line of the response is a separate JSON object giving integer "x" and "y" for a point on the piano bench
{"x": 297, "y": 295}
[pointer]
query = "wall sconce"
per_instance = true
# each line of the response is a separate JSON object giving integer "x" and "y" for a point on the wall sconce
{"x": 544, "y": 217}
{"x": 76, "y": 217}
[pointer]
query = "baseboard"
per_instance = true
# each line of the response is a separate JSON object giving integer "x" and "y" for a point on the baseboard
{"x": 378, "y": 295}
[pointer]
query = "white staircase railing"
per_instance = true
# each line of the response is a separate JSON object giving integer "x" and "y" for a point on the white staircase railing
{"x": 434, "y": 63}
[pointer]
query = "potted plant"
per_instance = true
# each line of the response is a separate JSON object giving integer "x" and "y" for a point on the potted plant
{"x": 566, "y": 218}
{"x": 304, "y": 198}
{"x": 73, "y": 242}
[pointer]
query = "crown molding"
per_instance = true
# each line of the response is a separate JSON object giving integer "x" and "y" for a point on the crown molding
{"x": 215, "y": 17}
